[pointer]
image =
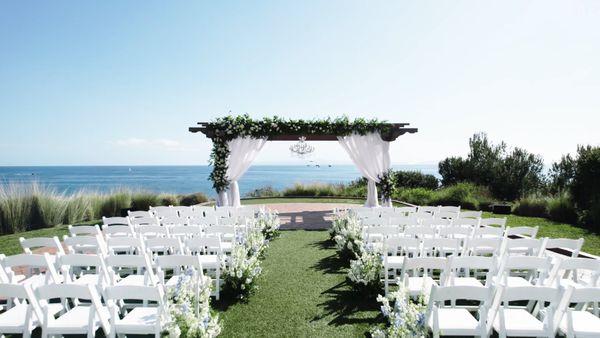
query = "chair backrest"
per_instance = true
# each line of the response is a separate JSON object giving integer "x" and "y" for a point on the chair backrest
{"x": 178, "y": 261}
{"x": 221, "y": 212}
{"x": 542, "y": 294}
{"x": 84, "y": 230}
{"x": 135, "y": 292}
{"x": 377, "y": 233}
{"x": 190, "y": 212}
{"x": 21, "y": 292}
{"x": 374, "y": 221}
{"x": 164, "y": 245}
{"x": 572, "y": 268}
{"x": 52, "y": 243}
{"x": 163, "y": 211}
{"x": 220, "y": 230}
{"x": 497, "y": 222}
{"x": 522, "y": 231}
{"x": 183, "y": 231}
{"x": 428, "y": 209}
{"x": 423, "y": 265}
{"x": 449, "y": 208}
{"x": 229, "y": 221}
{"x": 129, "y": 244}
{"x": 574, "y": 245}
{"x": 488, "y": 231}
{"x": 483, "y": 246}
{"x": 440, "y": 246}
{"x": 209, "y": 220}
{"x": 401, "y": 221}
{"x": 142, "y": 221}
{"x": 459, "y": 266}
{"x": 117, "y": 230}
{"x": 420, "y": 231}
{"x": 421, "y": 215}
{"x": 406, "y": 210}
{"x": 204, "y": 245}
{"x": 70, "y": 261}
{"x": 203, "y": 208}
{"x": 85, "y": 244}
{"x": 402, "y": 246}
{"x": 466, "y": 222}
{"x": 115, "y": 221}
{"x": 585, "y": 295}
{"x": 538, "y": 267}
{"x": 149, "y": 231}
{"x": 437, "y": 222}
{"x": 31, "y": 261}
{"x": 455, "y": 232}
{"x": 524, "y": 246}
{"x": 446, "y": 215}
{"x": 173, "y": 221}
{"x": 442, "y": 294}
{"x": 470, "y": 214}
{"x": 181, "y": 209}
{"x": 138, "y": 214}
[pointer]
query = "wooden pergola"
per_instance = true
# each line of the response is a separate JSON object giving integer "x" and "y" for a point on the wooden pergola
{"x": 395, "y": 131}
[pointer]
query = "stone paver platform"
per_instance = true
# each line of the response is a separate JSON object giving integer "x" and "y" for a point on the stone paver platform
{"x": 307, "y": 216}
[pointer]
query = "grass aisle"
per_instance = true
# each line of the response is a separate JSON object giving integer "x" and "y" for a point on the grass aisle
{"x": 302, "y": 293}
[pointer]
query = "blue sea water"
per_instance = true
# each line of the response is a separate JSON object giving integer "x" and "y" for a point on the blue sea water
{"x": 180, "y": 179}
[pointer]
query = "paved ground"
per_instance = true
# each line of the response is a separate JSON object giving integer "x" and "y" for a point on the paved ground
{"x": 308, "y": 216}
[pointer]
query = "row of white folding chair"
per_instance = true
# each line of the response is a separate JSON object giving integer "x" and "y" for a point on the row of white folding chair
{"x": 496, "y": 310}
{"x": 173, "y": 220}
{"x": 34, "y": 308}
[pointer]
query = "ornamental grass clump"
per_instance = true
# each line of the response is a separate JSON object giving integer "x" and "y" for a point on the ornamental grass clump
{"x": 346, "y": 231}
{"x": 189, "y": 313}
{"x": 406, "y": 319}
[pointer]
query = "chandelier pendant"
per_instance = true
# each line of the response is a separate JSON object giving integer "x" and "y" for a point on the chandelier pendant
{"x": 301, "y": 149}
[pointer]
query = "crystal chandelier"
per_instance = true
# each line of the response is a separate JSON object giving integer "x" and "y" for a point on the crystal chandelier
{"x": 301, "y": 149}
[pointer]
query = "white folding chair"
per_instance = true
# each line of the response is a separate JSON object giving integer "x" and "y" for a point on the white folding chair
{"x": 175, "y": 266}
{"x": 395, "y": 250}
{"x": 374, "y": 222}
{"x": 573, "y": 245}
{"x": 130, "y": 270}
{"x": 436, "y": 222}
{"x": 457, "y": 320}
{"x": 221, "y": 212}
{"x": 78, "y": 318}
{"x": 514, "y": 321}
{"x": 117, "y": 231}
{"x": 163, "y": 211}
{"x": 164, "y": 246}
{"x": 185, "y": 231}
{"x": 579, "y": 321}
{"x": 145, "y": 221}
{"x": 458, "y": 232}
{"x": 519, "y": 271}
{"x": 428, "y": 209}
{"x": 173, "y": 221}
{"x": 402, "y": 221}
{"x": 530, "y": 232}
{"x": 483, "y": 246}
{"x": 450, "y": 215}
{"x": 84, "y": 230}
{"x": 226, "y": 233}
{"x": 36, "y": 269}
{"x": 190, "y": 212}
{"x": 471, "y": 271}
{"x": 420, "y": 231}
{"x": 488, "y": 231}
{"x": 141, "y": 320}
{"x": 406, "y": 211}
{"x": 152, "y": 231}
{"x": 421, "y": 215}
{"x": 127, "y": 245}
{"x": 207, "y": 221}
{"x": 466, "y": 222}
{"x": 442, "y": 247}
{"x": 210, "y": 253}
{"x": 85, "y": 244}
{"x": 524, "y": 246}
{"x": 181, "y": 209}
{"x": 84, "y": 269}
{"x": 22, "y": 314}
{"x": 449, "y": 208}
{"x": 419, "y": 273}
{"x": 377, "y": 234}
{"x": 50, "y": 244}
{"x": 575, "y": 272}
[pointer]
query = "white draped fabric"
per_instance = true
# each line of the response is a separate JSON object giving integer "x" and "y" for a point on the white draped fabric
{"x": 242, "y": 151}
{"x": 371, "y": 155}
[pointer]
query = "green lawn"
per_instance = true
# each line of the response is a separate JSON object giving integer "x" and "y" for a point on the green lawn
{"x": 302, "y": 293}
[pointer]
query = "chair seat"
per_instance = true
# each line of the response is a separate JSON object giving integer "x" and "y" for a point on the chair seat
{"x": 519, "y": 322}
{"x": 75, "y": 321}
{"x": 88, "y": 279}
{"x": 395, "y": 262}
{"x": 465, "y": 281}
{"x": 139, "y": 280}
{"x": 455, "y": 321}
{"x": 13, "y": 320}
{"x": 37, "y": 280}
{"x": 417, "y": 285}
{"x": 140, "y": 320}
{"x": 226, "y": 246}
{"x": 585, "y": 324}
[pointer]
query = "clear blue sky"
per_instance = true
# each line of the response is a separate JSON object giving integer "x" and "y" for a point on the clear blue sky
{"x": 119, "y": 82}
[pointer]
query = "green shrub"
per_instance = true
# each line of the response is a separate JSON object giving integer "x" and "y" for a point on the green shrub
{"x": 112, "y": 204}
{"x": 418, "y": 196}
{"x": 144, "y": 200}
{"x": 167, "y": 199}
{"x": 461, "y": 194}
{"x": 585, "y": 186}
{"x": 561, "y": 209}
{"x": 267, "y": 191}
{"x": 193, "y": 199}
{"x": 414, "y": 179}
{"x": 15, "y": 203}
{"x": 312, "y": 190}
{"x": 532, "y": 206}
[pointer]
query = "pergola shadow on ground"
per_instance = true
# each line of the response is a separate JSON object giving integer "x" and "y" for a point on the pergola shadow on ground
{"x": 306, "y": 216}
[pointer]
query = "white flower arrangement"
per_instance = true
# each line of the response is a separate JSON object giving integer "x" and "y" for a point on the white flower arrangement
{"x": 405, "y": 317}
{"x": 366, "y": 270}
{"x": 240, "y": 270}
{"x": 189, "y": 308}
{"x": 346, "y": 231}
{"x": 268, "y": 222}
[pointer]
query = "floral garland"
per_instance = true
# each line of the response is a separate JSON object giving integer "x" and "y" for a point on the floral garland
{"x": 406, "y": 319}
{"x": 230, "y": 127}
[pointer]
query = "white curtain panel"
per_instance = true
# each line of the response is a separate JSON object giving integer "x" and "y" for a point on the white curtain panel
{"x": 371, "y": 155}
{"x": 242, "y": 151}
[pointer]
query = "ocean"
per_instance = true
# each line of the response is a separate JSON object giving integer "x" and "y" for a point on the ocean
{"x": 180, "y": 179}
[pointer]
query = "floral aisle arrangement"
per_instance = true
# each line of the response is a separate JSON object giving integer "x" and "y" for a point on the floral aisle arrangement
{"x": 365, "y": 272}
{"x": 189, "y": 310}
{"x": 242, "y": 267}
{"x": 268, "y": 222}
{"x": 406, "y": 319}
{"x": 346, "y": 231}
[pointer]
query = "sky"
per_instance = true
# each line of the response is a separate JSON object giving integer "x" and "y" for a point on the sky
{"x": 119, "y": 82}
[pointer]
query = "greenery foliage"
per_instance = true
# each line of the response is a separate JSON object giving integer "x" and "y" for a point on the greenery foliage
{"x": 531, "y": 206}
{"x": 414, "y": 179}
{"x": 230, "y": 127}
{"x": 193, "y": 199}
{"x": 585, "y": 185}
{"x": 509, "y": 174}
